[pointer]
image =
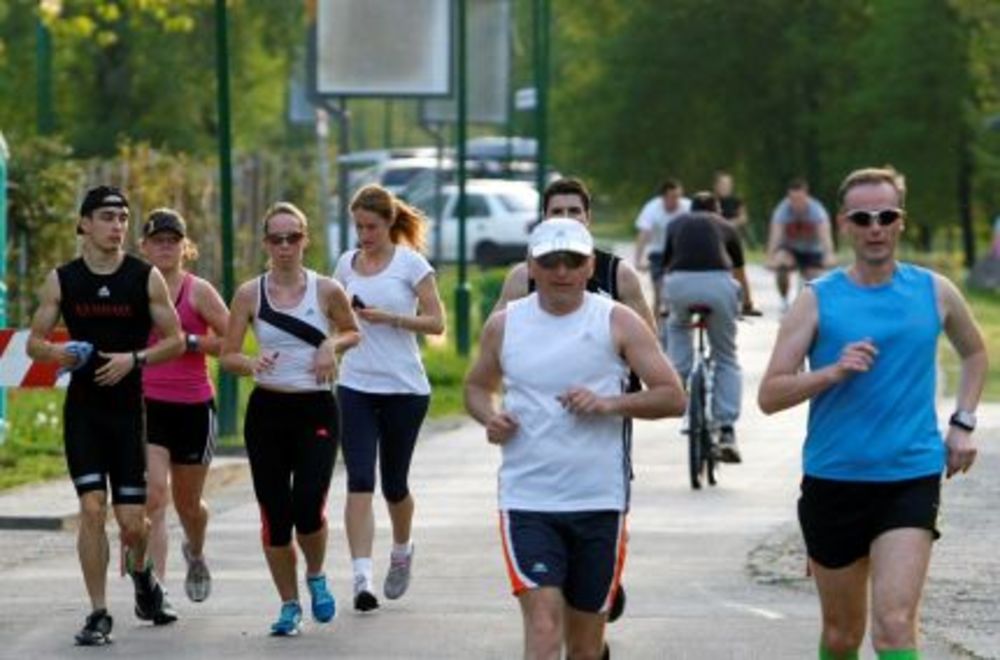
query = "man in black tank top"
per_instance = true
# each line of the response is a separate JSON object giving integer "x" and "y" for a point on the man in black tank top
{"x": 110, "y": 302}
{"x": 569, "y": 198}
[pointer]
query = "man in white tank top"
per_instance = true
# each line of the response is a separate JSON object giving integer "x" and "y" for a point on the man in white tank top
{"x": 561, "y": 358}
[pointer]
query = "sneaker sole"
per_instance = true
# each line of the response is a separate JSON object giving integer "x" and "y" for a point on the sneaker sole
{"x": 729, "y": 455}
{"x": 104, "y": 640}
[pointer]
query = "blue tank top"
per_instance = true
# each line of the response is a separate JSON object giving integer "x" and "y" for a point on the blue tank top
{"x": 880, "y": 425}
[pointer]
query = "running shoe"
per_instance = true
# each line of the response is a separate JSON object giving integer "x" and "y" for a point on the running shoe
{"x": 289, "y": 620}
{"x": 96, "y": 630}
{"x": 617, "y": 604}
{"x": 198, "y": 583}
{"x": 397, "y": 580}
{"x": 364, "y": 600}
{"x": 727, "y": 450}
{"x": 324, "y": 607}
{"x": 151, "y": 603}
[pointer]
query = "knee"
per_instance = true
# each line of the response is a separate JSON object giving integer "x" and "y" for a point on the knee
{"x": 543, "y": 633}
{"x": 894, "y": 629}
{"x": 134, "y": 528}
{"x": 93, "y": 510}
{"x": 842, "y": 637}
{"x": 309, "y": 519}
{"x": 157, "y": 496}
{"x": 361, "y": 483}
{"x": 189, "y": 508}
{"x": 395, "y": 491}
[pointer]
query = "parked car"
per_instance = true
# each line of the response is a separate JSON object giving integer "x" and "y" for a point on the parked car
{"x": 499, "y": 217}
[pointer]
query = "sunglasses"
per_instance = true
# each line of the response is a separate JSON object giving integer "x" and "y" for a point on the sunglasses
{"x": 292, "y": 238}
{"x": 552, "y": 260}
{"x": 883, "y": 217}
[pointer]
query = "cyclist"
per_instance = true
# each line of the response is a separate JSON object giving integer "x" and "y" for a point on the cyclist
{"x": 110, "y": 300}
{"x": 799, "y": 238}
{"x": 180, "y": 410}
{"x": 302, "y": 321}
{"x": 703, "y": 259}
{"x": 873, "y": 455}
{"x": 562, "y": 355}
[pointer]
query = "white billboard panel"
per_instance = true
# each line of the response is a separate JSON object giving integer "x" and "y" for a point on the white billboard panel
{"x": 488, "y": 24}
{"x": 383, "y": 47}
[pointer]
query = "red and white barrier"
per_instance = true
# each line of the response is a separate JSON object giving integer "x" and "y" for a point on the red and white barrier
{"x": 18, "y": 370}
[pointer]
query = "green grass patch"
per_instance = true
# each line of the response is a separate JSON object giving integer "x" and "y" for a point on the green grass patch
{"x": 33, "y": 448}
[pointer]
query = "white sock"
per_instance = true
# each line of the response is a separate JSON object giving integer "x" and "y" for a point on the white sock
{"x": 363, "y": 567}
{"x": 402, "y": 549}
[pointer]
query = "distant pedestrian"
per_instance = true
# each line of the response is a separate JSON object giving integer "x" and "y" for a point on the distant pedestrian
{"x": 383, "y": 389}
{"x": 303, "y": 322}
{"x": 651, "y": 224}
{"x": 873, "y": 454}
{"x": 180, "y": 406}
{"x": 109, "y": 301}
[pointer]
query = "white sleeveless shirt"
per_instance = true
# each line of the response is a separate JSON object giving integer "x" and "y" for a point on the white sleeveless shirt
{"x": 557, "y": 460}
{"x": 293, "y": 368}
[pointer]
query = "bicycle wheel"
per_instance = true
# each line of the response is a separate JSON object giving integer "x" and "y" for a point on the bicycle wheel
{"x": 697, "y": 427}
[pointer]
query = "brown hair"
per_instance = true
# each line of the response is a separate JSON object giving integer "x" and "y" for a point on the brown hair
{"x": 567, "y": 186}
{"x": 406, "y": 224}
{"x": 291, "y": 209}
{"x": 874, "y": 176}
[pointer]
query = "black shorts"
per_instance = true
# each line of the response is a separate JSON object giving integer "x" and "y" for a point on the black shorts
{"x": 187, "y": 430}
{"x": 104, "y": 440}
{"x": 841, "y": 519}
{"x": 805, "y": 260}
{"x": 580, "y": 552}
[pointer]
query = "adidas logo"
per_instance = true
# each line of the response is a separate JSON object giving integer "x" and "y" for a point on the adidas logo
{"x": 103, "y": 292}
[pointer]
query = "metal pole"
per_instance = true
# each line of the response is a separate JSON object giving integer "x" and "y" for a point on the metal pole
{"x": 3, "y": 272}
{"x": 462, "y": 338}
{"x": 43, "y": 57}
{"x": 541, "y": 93}
{"x": 228, "y": 386}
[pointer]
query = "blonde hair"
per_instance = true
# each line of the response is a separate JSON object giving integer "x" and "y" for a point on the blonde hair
{"x": 279, "y": 208}
{"x": 406, "y": 224}
{"x": 874, "y": 176}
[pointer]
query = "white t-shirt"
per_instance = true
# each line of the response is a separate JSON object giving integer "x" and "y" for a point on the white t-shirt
{"x": 387, "y": 361}
{"x": 654, "y": 219}
{"x": 557, "y": 460}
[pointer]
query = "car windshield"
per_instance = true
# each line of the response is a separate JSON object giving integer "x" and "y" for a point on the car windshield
{"x": 399, "y": 176}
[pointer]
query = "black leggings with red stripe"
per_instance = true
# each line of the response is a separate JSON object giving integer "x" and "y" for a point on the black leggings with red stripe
{"x": 291, "y": 441}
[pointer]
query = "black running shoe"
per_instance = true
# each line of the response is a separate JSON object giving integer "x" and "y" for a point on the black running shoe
{"x": 617, "y": 604}
{"x": 364, "y": 600}
{"x": 150, "y": 602}
{"x": 96, "y": 630}
{"x": 727, "y": 450}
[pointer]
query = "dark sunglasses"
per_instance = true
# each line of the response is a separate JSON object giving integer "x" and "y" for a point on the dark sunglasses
{"x": 884, "y": 217}
{"x": 552, "y": 260}
{"x": 292, "y": 238}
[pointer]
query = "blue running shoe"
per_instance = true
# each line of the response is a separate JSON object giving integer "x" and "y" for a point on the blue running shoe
{"x": 324, "y": 607}
{"x": 289, "y": 620}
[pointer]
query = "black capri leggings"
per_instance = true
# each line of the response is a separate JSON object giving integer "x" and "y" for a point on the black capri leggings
{"x": 291, "y": 440}
{"x": 388, "y": 423}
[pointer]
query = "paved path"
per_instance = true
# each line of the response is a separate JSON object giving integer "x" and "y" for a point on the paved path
{"x": 691, "y": 583}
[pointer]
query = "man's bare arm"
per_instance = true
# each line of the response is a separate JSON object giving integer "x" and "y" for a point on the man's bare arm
{"x": 515, "y": 286}
{"x": 630, "y": 293}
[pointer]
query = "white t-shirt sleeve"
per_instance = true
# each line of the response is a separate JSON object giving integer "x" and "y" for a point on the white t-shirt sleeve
{"x": 780, "y": 214}
{"x": 647, "y": 216}
{"x": 417, "y": 267}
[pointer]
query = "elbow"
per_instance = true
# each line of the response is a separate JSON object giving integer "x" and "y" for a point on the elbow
{"x": 767, "y": 404}
{"x": 437, "y": 328}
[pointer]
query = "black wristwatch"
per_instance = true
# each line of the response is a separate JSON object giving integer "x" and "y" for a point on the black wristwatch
{"x": 191, "y": 343}
{"x": 138, "y": 359}
{"x": 963, "y": 419}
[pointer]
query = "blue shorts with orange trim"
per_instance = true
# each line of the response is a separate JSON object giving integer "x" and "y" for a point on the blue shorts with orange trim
{"x": 580, "y": 552}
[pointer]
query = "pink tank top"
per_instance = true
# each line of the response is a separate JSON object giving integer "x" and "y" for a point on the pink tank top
{"x": 185, "y": 379}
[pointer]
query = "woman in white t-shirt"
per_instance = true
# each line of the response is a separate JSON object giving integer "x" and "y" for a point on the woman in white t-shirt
{"x": 383, "y": 390}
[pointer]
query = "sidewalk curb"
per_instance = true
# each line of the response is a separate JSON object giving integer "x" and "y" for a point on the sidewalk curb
{"x": 219, "y": 475}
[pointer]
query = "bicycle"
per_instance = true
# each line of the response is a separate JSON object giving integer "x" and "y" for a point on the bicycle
{"x": 701, "y": 435}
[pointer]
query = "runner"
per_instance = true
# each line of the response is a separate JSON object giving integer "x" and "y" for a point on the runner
{"x": 109, "y": 301}
{"x": 180, "y": 410}
{"x": 302, "y": 322}
{"x": 873, "y": 455}
{"x": 562, "y": 357}
{"x": 383, "y": 389}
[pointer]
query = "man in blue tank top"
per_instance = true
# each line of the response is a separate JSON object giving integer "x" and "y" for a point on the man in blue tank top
{"x": 873, "y": 454}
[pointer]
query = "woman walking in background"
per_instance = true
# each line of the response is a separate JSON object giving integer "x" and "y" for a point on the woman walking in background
{"x": 180, "y": 406}
{"x": 383, "y": 389}
{"x": 302, "y": 321}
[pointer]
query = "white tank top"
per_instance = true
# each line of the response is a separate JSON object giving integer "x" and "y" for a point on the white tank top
{"x": 559, "y": 461}
{"x": 293, "y": 369}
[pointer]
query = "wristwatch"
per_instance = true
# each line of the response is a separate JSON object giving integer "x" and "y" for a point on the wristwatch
{"x": 138, "y": 359}
{"x": 191, "y": 343}
{"x": 963, "y": 419}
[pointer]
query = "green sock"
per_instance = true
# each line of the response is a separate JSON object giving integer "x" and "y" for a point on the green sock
{"x": 827, "y": 654}
{"x": 898, "y": 654}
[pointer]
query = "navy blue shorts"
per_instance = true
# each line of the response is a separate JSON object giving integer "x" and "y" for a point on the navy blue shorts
{"x": 841, "y": 519}
{"x": 580, "y": 552}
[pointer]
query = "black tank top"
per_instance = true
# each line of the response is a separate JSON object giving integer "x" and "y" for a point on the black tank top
{"x": 109, "y": 311}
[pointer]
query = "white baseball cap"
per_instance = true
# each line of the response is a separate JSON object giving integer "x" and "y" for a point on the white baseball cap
{"x": 560, "y": 235}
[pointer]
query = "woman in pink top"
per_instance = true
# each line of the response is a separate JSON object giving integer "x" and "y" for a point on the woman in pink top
{"x": 180, "y": 410}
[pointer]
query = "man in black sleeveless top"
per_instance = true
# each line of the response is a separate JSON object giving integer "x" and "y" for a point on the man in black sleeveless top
{"x": 109, "y": 301}
{"x": 617, "y": 279}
